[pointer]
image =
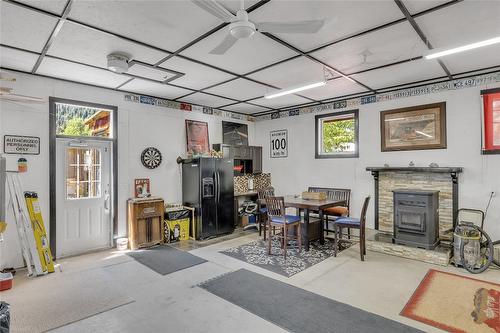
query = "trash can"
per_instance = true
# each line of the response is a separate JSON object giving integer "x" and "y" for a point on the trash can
{"x": 177, "y": 225}
{"x": 4, "y": 317}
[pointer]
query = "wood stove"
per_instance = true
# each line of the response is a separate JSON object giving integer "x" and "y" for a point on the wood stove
{"x": 416, "y": 218}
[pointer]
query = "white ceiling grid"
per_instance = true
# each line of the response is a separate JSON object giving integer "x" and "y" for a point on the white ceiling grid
{"x": 371, "y": 41}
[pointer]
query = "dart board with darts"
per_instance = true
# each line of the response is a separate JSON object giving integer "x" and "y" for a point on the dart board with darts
{"x": 151, "y": 158}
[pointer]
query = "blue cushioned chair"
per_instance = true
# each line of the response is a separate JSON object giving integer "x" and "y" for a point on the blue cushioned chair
{"x": 278, "y": 219}
{"x": 261, "y": 203}
{"x": 352, "y": 223}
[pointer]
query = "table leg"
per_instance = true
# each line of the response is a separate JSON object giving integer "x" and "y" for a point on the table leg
{"x": 321, "y": 228}
{"x": 306, "y": 229}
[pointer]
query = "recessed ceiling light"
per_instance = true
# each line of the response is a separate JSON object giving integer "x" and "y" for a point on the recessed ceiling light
{"x": 463, "y": 48}
{"x": 295, "y": 89}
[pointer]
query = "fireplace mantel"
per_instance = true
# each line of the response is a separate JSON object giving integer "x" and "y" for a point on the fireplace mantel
{"x": 417, "y": 169}
{"x": 452, "y": 171}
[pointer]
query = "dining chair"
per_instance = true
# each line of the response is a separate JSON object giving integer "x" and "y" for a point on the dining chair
{"x": 352, "y": 223}
{"x": 262, "y": 209}
{"x": 335, "y": 212}
{"x": 277, "y": 218}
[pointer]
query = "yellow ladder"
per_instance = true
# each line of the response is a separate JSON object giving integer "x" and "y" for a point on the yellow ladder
{"x": 42, "y": 243}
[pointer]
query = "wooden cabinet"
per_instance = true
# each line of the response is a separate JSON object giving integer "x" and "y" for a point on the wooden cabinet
{"x": 249, "y": 156}
{"x": 145, "y": 222}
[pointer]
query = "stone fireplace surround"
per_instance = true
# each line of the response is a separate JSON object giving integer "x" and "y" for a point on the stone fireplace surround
{"x": 442, "y": 179}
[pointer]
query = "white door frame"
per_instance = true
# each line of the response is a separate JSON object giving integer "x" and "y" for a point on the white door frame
{"x": 53, "y": 165}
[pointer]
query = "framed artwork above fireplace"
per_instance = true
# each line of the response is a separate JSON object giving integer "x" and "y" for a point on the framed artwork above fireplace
{"x": 414, "y": 128}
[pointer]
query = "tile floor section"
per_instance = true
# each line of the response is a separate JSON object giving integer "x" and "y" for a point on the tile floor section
{"x": 173, "y": 303}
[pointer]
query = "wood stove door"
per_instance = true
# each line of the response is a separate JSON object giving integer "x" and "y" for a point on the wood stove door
{"x": 411, "y": 219}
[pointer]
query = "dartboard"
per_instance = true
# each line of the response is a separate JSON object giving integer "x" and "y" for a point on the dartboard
{"x": 151, "y": 157}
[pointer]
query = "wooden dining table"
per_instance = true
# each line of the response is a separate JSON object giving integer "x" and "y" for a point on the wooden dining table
{"x": 307, "y": 206}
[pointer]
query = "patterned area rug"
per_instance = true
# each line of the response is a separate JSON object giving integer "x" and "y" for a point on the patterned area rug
{"x": 455, "y": 303}
{"x": 255, "y": 253}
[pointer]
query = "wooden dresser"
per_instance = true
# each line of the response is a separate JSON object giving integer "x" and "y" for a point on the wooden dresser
{"x": 145, "y": 222}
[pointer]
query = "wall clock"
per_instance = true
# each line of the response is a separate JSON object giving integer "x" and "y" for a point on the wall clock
{"x": 151, "y": 158}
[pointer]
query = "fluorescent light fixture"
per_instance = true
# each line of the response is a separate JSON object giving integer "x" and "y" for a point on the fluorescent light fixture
{"x": 295, "y": 89}
{"x": 463, "y": 48}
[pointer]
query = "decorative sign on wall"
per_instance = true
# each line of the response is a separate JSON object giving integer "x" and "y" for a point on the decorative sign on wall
{"x": 18, "y": 144}
{"x": 142, "y": 187}
{"x": 197, "y": 137}
{"x": 279, "y": 143}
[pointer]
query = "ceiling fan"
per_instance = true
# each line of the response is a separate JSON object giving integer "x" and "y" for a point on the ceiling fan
{"x": 241, "y": 27}
{"x": 6, "y": 93}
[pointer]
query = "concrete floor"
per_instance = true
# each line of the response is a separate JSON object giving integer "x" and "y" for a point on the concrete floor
{"x": 173, "y": 303}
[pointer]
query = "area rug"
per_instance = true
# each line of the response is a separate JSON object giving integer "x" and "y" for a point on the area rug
{"x": 58, "y": 299}
{"x": 165, "y": 259}
{"x": 455, "y": 303}
{"x": 295, "y": 309}
{"x": 255, "y": 253}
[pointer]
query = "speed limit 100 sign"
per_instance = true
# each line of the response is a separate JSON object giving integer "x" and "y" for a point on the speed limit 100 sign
{"x": 279, "y": 143}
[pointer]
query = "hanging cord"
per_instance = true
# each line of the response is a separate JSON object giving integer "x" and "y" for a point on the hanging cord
{"x": 488, "y": 205}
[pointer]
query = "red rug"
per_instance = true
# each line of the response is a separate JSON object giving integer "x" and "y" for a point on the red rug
{"x": 455, "y": 303}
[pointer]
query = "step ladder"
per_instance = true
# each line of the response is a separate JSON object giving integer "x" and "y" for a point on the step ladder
{"x": 24, "y": 226}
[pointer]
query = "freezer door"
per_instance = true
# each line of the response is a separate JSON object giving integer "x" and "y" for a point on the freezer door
{"x": 225, "y": 196}
{"x": 208, "y": 198}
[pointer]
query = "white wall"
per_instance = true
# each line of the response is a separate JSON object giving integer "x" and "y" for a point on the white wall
{"x": 481, "y": 174}
{"x": 139, "y": 126}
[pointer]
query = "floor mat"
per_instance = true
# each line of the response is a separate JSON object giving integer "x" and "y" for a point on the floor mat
{"x": 256, "y": 253}
{"x": 295, "y": 309}
{"x": 455, "y": 303}
{"x": 58, "y": 299}
{"x": 165, "y": 259}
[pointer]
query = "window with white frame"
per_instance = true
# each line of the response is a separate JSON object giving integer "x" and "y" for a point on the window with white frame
{"x": 337, "y": 134}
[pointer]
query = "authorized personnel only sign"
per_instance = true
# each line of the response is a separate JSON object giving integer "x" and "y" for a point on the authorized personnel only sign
{"x": 17, "y": 144}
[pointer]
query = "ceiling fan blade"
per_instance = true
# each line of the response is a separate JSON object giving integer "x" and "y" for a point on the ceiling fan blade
{"x": 297, "y": 27}
{"x": 225, "y": 45}
{"x": 214, "y": 8}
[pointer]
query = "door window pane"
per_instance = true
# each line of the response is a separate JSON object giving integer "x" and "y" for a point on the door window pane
{"x": 83, "y": 173}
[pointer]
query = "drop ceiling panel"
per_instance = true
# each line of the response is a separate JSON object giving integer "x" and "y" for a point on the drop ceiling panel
{"x": 446, "y": 29}
{"x": 241, "y": 89}
{"x": 206, "y": 100}
{"x": 14, "y": 59}
{"x": 281, "y": 102}
{"x": 89, "y": 46}
{"x": 245, "y": 108}
{"x": 150, "y": 72}
{"x": 291, "y": 73}
{"x": 462, "y": 23}
{"x": 75, "y": 72}
{"x": 53, "y": 6}
{"x": 417, "y": 6}
{"x": 234, "y": 5}
{"x": 334, "y": 88}
{"x": 195, "y": 76}
{"x": 24, "y": 28}
{"x": 389, "y": 45}
{"x": 154, "y": 89}
{"x": 246, "y": 55}
{"x": 400, "y": 74}
{"x": 342, "y": 18}
{"x": 474, "y": 59}
{"x": 165, "y": 24}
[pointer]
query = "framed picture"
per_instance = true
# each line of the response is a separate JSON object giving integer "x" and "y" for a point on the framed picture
{"x": 490, "y": 121}
{"x": 197, "y": 137}
{"x": 235, "y": 134}
{"x": 414, "y": 128}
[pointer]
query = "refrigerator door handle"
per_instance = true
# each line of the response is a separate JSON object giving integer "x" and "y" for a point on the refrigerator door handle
{"x": 218, "y": 186}
{"x": 216, "y": 181}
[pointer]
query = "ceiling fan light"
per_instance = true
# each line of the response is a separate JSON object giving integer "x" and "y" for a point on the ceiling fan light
{"x": 242, "y": 29}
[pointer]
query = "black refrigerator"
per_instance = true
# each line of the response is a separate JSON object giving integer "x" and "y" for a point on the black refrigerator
{"x": 207, "y": 186}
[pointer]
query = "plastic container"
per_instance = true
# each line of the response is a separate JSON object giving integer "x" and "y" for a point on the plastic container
{"x": 5, "y": 281}
{"x": 121, "y": 244}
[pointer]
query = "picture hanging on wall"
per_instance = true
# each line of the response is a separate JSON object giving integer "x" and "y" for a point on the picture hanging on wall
{"x": 197, "y": 137}
{"x": 414, "y": 128}
{"x": 235, "y": 134}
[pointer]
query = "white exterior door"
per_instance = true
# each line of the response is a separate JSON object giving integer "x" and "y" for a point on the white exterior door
{"x": 83, "y": 196}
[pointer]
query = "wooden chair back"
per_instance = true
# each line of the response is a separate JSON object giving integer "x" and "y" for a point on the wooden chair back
{"x": 335, "y": 194}
{"x": 275, "y": 206}
{"x": 266, "y": 192}
{"x": 362, "y": 218}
